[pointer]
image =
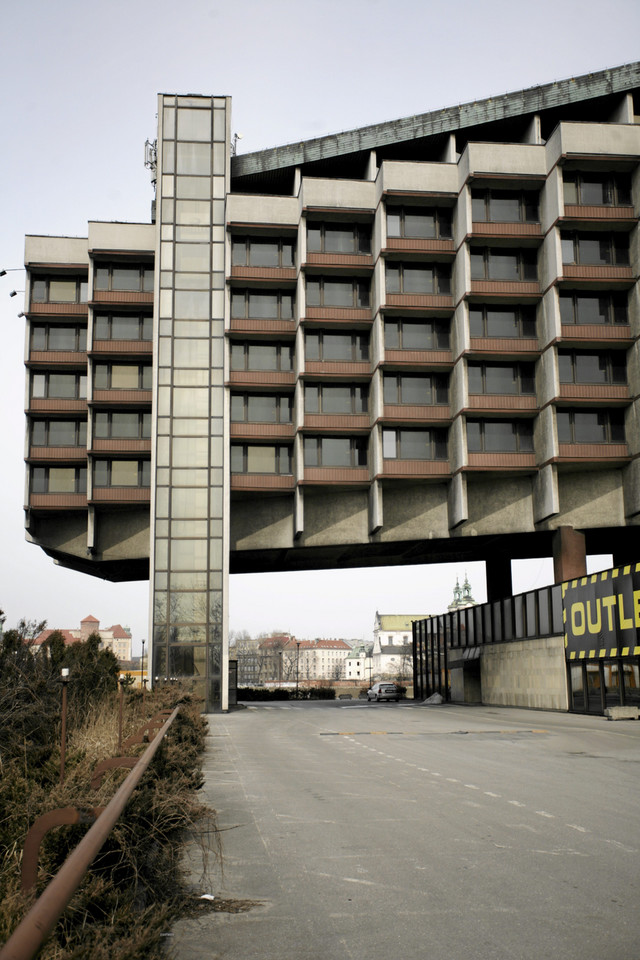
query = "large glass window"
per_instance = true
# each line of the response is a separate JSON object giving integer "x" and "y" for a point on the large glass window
{"x": 262, "y": 252}
{"x": 53, "y": 337}
{"x": 349, "y": 347}
{"x": 590, "y": 426}
{"x": 418, "y": 222}
{"x": 121, "y": 473}
{"x": 58, "y": 480}
{"x": 260, "y": 458}
{"x": 501, "y": 263}
{"x": 411, "y": 389}
{"x": 597, "y": 189}
{"x": 605, "y": 367}
{"x": 124, "y": 278}
{"x": 59, "y": 433}
{"x": 260, "y": 408}
{"x": 418, "y": 278}
{"x": 416, "y": 334}
{"x": 335, "y": 451}
{"x": 261, "y": 356}
{"x": 414, "y": 444}
{"x": 505, "y": 206}
{"x": 349, "y": 238}
{"x": 67, "y": 386}
{"x": 506, "y": 322}
{"x": 126, "y": 425}
{"x": 122, "y": 327}
{"x": 499, "y": 436}
{"x": 505, "y": 378}
{"x": 322, "y": 292}
{"x": 579, "y": 307}
{"x": 595, "y": 249}
{"x": 340, "y": 398}
{"x": 58, "y": 290}
{"x": 122, "y": 376}
{"x": 262, "y": 304}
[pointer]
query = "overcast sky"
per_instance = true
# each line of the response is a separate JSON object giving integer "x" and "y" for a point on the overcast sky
{"x": 79, "y": 83}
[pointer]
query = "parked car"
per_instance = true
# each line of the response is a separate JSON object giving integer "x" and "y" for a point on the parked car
{"x": 383, "y": 691}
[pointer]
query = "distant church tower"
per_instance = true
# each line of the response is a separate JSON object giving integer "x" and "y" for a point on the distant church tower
{"x": 461, "y": 595}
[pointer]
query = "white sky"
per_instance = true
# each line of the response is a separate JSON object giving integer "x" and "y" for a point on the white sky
{"x": 79, "y": 84}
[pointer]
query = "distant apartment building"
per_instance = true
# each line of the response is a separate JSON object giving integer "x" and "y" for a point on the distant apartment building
{"x": 115, "y": 638}
{"x": 413, "y": 342}
{"x": 392, "y": 655}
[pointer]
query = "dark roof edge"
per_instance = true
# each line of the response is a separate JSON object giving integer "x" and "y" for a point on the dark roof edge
{"x": 447, "y": 120}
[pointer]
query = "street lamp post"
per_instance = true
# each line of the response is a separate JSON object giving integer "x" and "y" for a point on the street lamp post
{"x": 121, "y": 680}
{"x": 297, "y": 666}
{"x": 64, "y": 676}
{"x": 142, "y": 679}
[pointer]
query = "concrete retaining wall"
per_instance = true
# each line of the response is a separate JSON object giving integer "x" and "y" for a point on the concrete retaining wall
{"x": 527, "y": 673}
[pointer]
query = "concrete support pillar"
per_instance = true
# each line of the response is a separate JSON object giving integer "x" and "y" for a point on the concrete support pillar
{"x": 499, "y": 583}
{"x": 569, "y": 554}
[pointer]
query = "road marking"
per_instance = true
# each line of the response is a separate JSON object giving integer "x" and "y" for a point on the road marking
{"x": 471, "y": 786}
{"x": 452, "y": 780}
{"x": 489, "y": 794}
{"x": 368, "y": 883}
{"x": 543, "y": 813}
{"x": 574, "y": 826}
{"x": 516, "y": 803}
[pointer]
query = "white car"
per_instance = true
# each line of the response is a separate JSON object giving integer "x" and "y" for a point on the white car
{"x": 383, "y": 691}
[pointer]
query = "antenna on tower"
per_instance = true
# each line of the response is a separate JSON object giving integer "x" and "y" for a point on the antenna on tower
{"x": 151, "y": 159}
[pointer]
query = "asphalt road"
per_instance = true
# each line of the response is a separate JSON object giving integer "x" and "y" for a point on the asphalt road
{"x": 365, "y": 831}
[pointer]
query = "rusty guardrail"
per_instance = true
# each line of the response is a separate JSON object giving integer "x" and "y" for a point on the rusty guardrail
{"x": 39, "y": 921}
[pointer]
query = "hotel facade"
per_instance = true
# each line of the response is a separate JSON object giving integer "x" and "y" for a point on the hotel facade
{"x": 409, "y": 343}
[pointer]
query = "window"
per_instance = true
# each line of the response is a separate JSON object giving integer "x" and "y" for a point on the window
{"x": 58, "y": 480}
{"x": 595, "y": 249}
{"x": 264, "y": 458}
{"x": 124, "y": 327}
{"x": 499, "y": 436}
{"x": 414, "y": 444}
{"x": 59, "y": 433}
{"x": 122, "y": 376}
{"x": 418, "y": 278}
{"x": 504, "y": 206}
{"x": 54, "y": 337}
{"x": 500, "y": 263}
{"x": 260, "y": 408}
{"x": 134, "y": 426}
{"x": 58, "y": 290}
{"x": 416, "y": 390}
{"x": 337, "y": 293}
{"x": 350, "y": 238}
{"x": 262, "y": 252}
{"x": 416, "y": 335}
{"x": 419, "y": 222}
{"x": 64, "y": 386}
{"x": 335, "y": 451}
{"x": 121, "y": 473}
{"x": 339, "y": 398}
{"x": 349, "y": 347}
{"x": 598, "y": 189}
{"x": 581, "y": 307}
{"x": 605, "y": 367}
{"x": 262, "y": 356}
{"x": 262, "y": 304}
{"x": 590, "y": 426}
{"x": 117, "y": 277}
{"x": 507, "y": 322}
{"x": 504, "y": 378}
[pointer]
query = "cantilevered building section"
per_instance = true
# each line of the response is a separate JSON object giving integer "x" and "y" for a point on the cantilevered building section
{"x": 409, "y": 343}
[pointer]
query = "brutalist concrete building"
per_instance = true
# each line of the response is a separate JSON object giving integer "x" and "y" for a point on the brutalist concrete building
{"x": 407, "y": 343}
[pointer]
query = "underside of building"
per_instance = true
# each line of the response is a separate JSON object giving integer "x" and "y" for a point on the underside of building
{"x": 414, "y": 342}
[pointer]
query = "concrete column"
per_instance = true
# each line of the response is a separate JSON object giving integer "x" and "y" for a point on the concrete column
{"x": 499, "y": 583}
{"x": 569, "y": 554}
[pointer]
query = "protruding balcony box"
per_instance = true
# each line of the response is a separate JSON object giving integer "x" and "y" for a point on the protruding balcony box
{"x": 338, "y": 368}
{"x": 592, "y": 140}
{"x": 398, "y": 178}
{"x": 118, "y": 347}
{"x": 58, "y": 310}
{"x": 242, "y": 210}
{"x": 339, "y": 314}
{"x": 58, "y": 501}
{"x": 420, "y": 301}
{"x": 54, "y": 358}
{"x": 588, "y": 334}
{"x": 113, "y": 297}
{"x": 57, "y": 405}
{"x": 358, "y": 423}
{"x": 610, "y": 274}
{"x": 135, "y": 238}
{"x": 435, "y": 359}
{"x": 122, "y": 495}
{"x": 501, "y": 402}
{"x": 343, "y": 476}
{"x": 349, "y": 195}
{"x": 419, "y": 245}
{"x": 410, "y": 413}
{"x": 519, "y": 231}
{"x": 120, "y": 445}
{"x": 262, "y": 482}
{"x": 523, "y": 289}
{"x": 501, "y": 461}
{"x": 262, "y": 431}
{"x": 261, "y": 325}
{"x": 511, "y": 161}
{"x": 268, "y": 274}
{"x": 608, "y": 452}
{"x": 505, "y": 346}
{"x": 583, "y": 211}
{"x": 117, "y": 397}
{"x": 59, "y": 454}
{"x": 414, "y": 469}
{"x": 596, "y": 392}
{"x": 252, "y": 378}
